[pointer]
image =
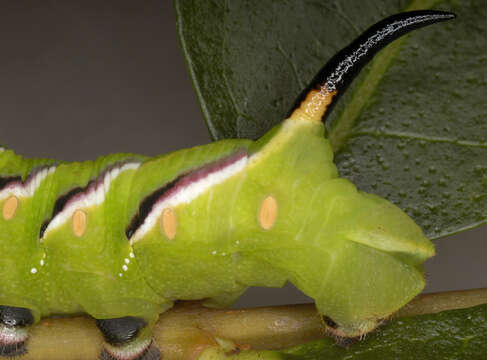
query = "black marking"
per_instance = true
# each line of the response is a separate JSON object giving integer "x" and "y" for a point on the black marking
{"x": 342, "y": 68}
{"x": 150, "y": 353}
{"x": 7, "y": 180}
{"x": 13, "y": 349}
{"x": 328, "y": 321}
{"x": 181, "y": 180}
{"x": 15, "y": 316}
{"x": 120, "y": 330}
{"x": 63, "y": 200}
{"x": 18, "y": 179}
{"x": 345, "y": 342}
{"x": 146, "y": 207}
{"x": 43, "y": 228}
{"x": 60, "y": 204}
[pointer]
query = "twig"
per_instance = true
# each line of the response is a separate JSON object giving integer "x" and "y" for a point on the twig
{"x": 183, "y": 332}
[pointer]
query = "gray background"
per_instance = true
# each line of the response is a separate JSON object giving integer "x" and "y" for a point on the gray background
{"x": 87, "y": 78}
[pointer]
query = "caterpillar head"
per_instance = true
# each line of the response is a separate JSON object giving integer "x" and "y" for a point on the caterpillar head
{"x": 282, "y": 214}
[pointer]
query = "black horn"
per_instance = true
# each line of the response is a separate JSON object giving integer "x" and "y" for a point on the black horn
{"x": 334, "y": 78}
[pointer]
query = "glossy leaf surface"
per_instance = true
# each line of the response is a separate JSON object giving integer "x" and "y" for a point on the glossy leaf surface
{"x": 412, "y": 127}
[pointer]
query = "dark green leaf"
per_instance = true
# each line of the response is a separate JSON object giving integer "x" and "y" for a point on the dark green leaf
{"x": 412, "y": 128}
{"x": 455, "y": 334}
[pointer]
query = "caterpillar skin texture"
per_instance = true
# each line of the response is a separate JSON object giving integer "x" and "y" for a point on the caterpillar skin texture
{"x": 123, "y": 237}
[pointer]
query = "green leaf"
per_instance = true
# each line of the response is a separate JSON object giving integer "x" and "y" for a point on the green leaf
{"x": 455, "y": 334}
{"x": 412, "y": 128}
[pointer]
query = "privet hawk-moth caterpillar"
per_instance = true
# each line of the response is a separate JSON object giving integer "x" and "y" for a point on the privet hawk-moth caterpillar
{"x": 123, "y": 237}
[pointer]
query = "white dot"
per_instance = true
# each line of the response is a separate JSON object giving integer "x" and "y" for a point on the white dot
{"x": 224, "y": 254}
{"x": 120, "y": 274}
{"x": 127, "y": 261}
{"x": 237, "y": 242}
{"x": 214, "y": 252}
{"x": 131, "y": 255}
{"x": 42, "y": 262}
{"x": 33, "y": 270}
{"x": 125, "y": 268}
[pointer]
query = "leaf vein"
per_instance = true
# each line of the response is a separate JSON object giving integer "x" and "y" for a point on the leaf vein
{"x": 292, "y": 65}
{"x": 414, "y": 136}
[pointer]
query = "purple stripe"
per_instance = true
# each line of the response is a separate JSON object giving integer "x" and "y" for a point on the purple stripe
{"x": 201, "y": 173}
{"x": 178, "y": 184}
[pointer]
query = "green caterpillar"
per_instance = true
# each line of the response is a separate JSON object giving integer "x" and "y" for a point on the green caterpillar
{"x": 123, "y": 237}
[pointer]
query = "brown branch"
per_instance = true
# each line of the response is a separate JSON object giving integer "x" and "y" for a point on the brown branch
{"x": 184, "y": 331}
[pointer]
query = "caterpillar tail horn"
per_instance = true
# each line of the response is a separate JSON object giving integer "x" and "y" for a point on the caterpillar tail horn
{"x": 317, "y": 100}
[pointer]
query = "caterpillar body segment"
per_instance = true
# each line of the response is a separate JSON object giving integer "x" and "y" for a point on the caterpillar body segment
{"x": 124, "y": 237}
{"x": 74, "y": 263}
